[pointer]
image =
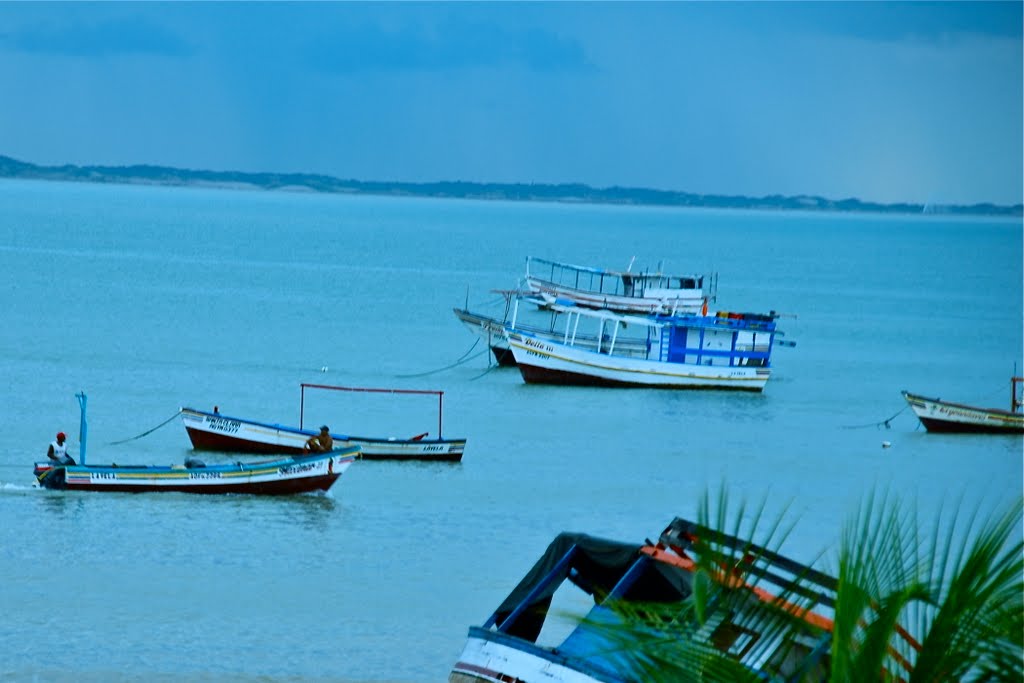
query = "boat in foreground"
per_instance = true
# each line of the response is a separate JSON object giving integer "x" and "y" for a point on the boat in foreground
{"x": 944, "y": 416}
{"x": 517, "y": 645}
{"x": 283, "y": 476}
{"x": 620, "y": 291}
{"x": 724, "y": 351}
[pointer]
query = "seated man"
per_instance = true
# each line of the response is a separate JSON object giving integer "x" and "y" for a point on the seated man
{"x": 58, "y": 452}
{"x": 320, "y": 443}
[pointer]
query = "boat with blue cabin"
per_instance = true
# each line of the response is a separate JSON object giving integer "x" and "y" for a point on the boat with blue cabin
{"x": 721, "y": 351}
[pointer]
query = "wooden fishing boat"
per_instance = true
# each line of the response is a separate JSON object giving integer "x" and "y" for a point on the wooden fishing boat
{"x": 620, "y": 291}
{"x": 284, "y": 476}
{"x": 724, "y": 351}
{"x": 515, "y": 643}
{"x": 213, "y": 431}
{"x": 944, "y": 416}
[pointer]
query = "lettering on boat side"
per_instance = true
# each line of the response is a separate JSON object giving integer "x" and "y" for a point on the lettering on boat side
{"x": 103, "y": 475}
{"x": 298, "y": 469}
{"x": 954, "y": 412}
{"x": 535, "y": 344}
{"x": 222, "y": 425}
{"x": 431, "y": 449}
{"x": 204, "y": 475}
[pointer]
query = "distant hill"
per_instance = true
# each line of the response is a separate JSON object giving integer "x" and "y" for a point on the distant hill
{"x": 571, "y": 192}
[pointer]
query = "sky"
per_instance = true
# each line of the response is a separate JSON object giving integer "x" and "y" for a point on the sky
{"x": 886, "y": 102}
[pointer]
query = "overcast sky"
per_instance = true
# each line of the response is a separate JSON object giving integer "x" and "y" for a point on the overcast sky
{"x": 917, "y": 102}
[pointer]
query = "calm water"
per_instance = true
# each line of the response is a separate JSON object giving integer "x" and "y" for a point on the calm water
{"x": 149, "y": 299}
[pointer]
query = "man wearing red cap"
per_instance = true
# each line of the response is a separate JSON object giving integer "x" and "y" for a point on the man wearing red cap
{"x": 58, "y": 452}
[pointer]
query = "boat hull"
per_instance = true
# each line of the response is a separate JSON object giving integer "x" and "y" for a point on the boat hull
{"x": 276, "y": 477}
{"x": 214, "y": 432}
{"x": 956, "y": 418}
{"x": 543, "y": 362}
{"x": 492, "y": 331}
{"x": 491, "y": 657}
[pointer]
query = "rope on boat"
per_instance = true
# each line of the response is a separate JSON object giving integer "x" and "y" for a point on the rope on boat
{"x": 878, "y": 424}
{"x": 464, "y": 358}
{"x": 150, "y": 431}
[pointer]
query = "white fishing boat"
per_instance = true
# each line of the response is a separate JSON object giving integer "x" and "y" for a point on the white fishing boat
{"x": 724, "y": 351}
{"x": 620, "y": 291}
{"x": 945, "y": 416}
{"x": 213, "y": 431}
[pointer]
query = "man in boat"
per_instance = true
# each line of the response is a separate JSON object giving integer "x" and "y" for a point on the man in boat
{"x": 320, "y": 443}
{"x": 58, "y": 452}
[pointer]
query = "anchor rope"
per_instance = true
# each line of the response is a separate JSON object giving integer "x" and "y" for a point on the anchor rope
{"x": 489, "y": 368}
{"x": 880, "y": 423}
{"x": 149, "y": 431}
{"x": 463, "y": 359}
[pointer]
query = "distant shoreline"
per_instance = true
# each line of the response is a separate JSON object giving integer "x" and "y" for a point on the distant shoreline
{"x": 565, "y": 192}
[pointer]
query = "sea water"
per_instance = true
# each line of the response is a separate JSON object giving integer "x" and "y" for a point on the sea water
{"x": 147, "y": 299}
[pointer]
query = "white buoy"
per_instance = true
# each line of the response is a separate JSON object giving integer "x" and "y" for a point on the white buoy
{"x": 886, "y": 444}
{"x": 323, "y": 369}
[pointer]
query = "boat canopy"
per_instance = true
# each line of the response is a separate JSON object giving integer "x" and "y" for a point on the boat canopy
{"x": 596, "y": 566}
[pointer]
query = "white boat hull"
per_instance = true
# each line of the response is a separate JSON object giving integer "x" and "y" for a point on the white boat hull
{"x": 485, "y": 661}
{"x": 214, "y": 432}
{"x": 545, "y": 362}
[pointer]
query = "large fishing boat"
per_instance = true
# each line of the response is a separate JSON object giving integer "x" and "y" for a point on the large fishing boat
{"x": 945, "y": 416}
{"x": 625, "y": 291}
{"x": 723, "y": 351}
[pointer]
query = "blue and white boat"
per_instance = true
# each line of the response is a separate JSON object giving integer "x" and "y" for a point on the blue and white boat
{"x": 721, "y": 351}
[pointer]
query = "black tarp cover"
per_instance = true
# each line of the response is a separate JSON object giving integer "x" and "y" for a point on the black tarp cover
{"x": 599, "y": 565}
